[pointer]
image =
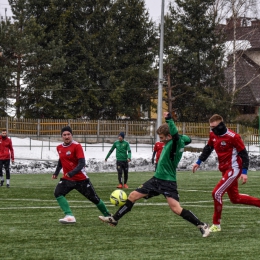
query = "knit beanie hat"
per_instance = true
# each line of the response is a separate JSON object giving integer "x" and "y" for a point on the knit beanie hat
{"x": 66, "y": 128}
{"x": 122, "y": 134}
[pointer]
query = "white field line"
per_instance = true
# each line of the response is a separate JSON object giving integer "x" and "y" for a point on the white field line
{"x": 139, "y": 204}
{"x": 91, "y": 205}
{"x": 87, "y": 201}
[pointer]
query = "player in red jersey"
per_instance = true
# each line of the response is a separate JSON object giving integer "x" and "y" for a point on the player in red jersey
{"x": 72, "y": 161}
{"x": 157, "y": 149}
{"x": 6, "y": 153}
{"x": 233, "y": 163}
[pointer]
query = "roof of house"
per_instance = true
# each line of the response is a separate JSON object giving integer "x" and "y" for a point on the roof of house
{"x": 247, "y": 71}
{"x": 247, "y": 80}
{"x": 248, "y": 30}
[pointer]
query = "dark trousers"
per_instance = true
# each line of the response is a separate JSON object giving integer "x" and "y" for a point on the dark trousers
{"x": 84, "y": 187}
{"x": 122, "y": 166}
{"x": 6, "y": 164}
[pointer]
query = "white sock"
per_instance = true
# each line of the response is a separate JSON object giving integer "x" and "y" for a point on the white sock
{"x": 7, "y": 181}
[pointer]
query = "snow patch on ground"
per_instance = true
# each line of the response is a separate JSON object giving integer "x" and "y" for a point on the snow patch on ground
{"x": 42, "y": 157}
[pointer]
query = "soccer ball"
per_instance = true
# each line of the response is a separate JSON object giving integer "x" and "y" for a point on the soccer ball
{"x": 118, "y": 198}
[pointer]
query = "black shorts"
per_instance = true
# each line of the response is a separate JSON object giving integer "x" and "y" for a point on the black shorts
{"x": 84, "y": 187}
{"x": 155, "y": 187}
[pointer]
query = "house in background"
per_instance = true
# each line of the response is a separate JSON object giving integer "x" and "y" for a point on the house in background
{"x": 247, "y": 65}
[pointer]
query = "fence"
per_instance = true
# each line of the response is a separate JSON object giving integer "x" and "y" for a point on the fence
{"x": 40, "y": 148}
{"x": 96, "y": 129}
{"x": 51, "y": 142}
{"x": 81, "y": 127}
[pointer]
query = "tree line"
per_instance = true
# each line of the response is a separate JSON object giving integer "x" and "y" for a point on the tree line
{"x": 96, "y": 59}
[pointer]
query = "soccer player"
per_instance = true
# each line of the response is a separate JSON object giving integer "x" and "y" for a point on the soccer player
{"x": 157, "y": 149}
{"x": 6, "y": 154}
{"x": 72, "y": 161}
{"x": 233, "y": 164}
{"x": 123, "y": 157}
{"x": 164, "y": 180}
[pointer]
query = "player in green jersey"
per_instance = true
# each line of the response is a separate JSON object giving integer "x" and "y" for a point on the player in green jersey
{"x": 123, "y": 157}
{"x": 164, "y": 180}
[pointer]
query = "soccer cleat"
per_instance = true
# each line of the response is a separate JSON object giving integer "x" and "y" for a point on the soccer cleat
{"x": 120, "y": 186}
{"x": 7, "y": 185}
{"x": 109, "y": 220}
{"x": 204, "y": 229}
{"x": 68, "y": 220}
{"x": 126, "y": 186}
{"x": 2, "y": 182}
{"x": 214, "y": 228}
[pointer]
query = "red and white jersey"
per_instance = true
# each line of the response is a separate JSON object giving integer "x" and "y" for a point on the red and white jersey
{"x": 227, "y": 147}
{"x": 158, "y": 146}
{"x": 6, "y": 148}
{"x": 69, "y": 156}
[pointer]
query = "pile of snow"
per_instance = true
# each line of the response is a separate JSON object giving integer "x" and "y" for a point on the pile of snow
{"x": 42, "y": 157}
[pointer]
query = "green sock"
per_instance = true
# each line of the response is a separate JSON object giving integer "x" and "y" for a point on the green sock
{"x": 64, "y": 205}
{"x": 102, "y": 207}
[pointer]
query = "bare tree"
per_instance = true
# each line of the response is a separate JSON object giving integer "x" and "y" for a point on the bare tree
{"x": 237, "y": 11}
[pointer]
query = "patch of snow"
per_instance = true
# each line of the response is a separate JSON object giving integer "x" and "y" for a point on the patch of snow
{"x": 43, "y": 157}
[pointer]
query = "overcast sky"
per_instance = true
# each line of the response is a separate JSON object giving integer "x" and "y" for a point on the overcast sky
{"x": 4, "y": 4}
{"x": 154, "y": 7}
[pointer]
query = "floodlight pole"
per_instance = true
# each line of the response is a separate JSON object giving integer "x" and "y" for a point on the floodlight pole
{"x": 160, "y": 79}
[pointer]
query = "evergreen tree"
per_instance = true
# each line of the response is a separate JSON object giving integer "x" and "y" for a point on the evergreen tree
{"x": 55, "y": 86}
{"x": 18, "y": 43}
{"x": 100, "y": 32}
{"x": 5, "y": 72}
{"x": 194, "y": 50}
{"x": 130, "y": 78}
{"x": 82, "y": 58}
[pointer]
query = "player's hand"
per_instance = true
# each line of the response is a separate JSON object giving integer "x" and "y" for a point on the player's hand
{"x": 54, "y": 176}
{"x": 243, "y": 177}
{"x": 165, "y": 114}
{"x": 12, "y": 161}
{"x": 105, "y": 160}
{"x": 195, "y": 167}
{"x": 129, "y": 160}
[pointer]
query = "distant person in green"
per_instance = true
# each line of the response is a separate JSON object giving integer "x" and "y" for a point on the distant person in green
{"x": 123, "y": 157}
{"x": 164, "y": 180}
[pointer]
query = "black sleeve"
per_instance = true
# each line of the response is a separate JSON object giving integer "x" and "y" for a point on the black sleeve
{"x": 154, "y": 152}
{"x": 175, "y": 137}
{"x": 168, "y": 117}
{"x": 245, "y": 159}
{"x": 81, "y": 164}
{"x": 58, "y": 168}
{"x": 187, "y": 143}
{"x": 207, "y": 150}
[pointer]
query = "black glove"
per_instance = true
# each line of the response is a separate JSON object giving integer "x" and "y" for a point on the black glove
{"x": 152, "y": 160}
{"x": 168, "y": 117}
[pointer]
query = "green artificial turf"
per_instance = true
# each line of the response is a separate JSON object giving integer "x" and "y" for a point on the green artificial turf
{"x": 29, "y": 227}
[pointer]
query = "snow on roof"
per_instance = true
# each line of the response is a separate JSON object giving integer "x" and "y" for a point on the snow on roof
{"x": 239, "y": 45}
